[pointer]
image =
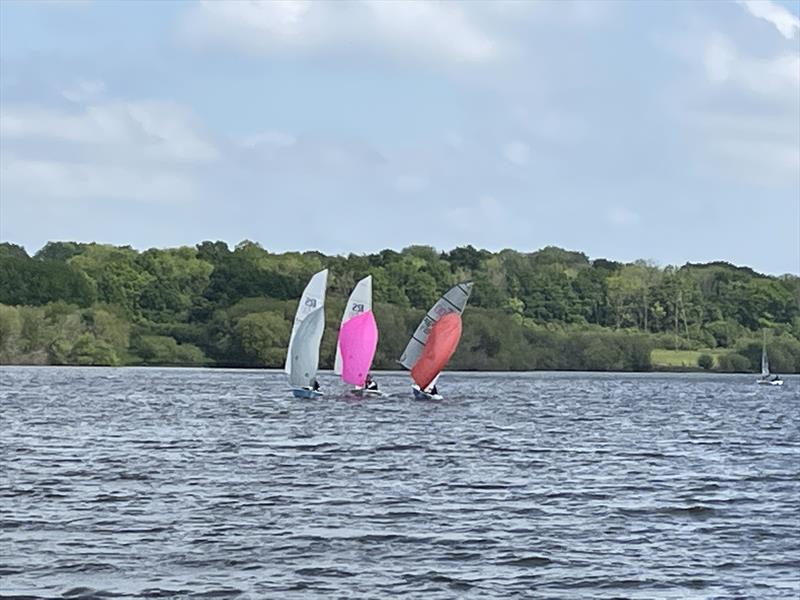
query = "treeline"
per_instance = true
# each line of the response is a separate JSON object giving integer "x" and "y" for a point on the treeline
{"x": 76, "y": 303}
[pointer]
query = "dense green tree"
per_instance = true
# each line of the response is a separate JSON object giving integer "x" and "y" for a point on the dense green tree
{"x": 10, "y": 331}
{"x": 118, "y": 278}
{"x": 732, "y": 362}
{"x": 705, "y": 361}
{"x": 177, "y": 277}
{"x": 164, "y": 350}
{"x": 466, "y": 257}
{"x": 88, "y": 350}
{"x": 8, "y": 250}
{"x": 725, "y": 333}
{"x": 60, "y": 251}
{"x": 213, "y": 252}
{"x": 591, "y": 289}
{"x": 108, "y": 326}
{"x": 548, "y": 296}
{"x": 263, "y": 338}
{"x": 31, "y": 282}
{"x": 551, "y": 309}
{"x": 564, "y": 259}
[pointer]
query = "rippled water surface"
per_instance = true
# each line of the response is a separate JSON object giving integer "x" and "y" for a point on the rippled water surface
{"x": 206, "y": 483}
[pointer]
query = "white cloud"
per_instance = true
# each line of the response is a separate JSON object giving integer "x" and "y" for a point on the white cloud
{"x": 774, "y": 75}
{"x": 517, "y": 152}
{"x": 484, "y": 216}
{"x": 623, "y": 217}
{"x": 748, "y": 120}
{"x": 65, "y": 180}
{"x": 139, "y": 150}
{"x": 743, "y": 112}
{"x": 784, "y": 21}
{"x": 761, "y": 161}
{"x": 429, "y": 31}
{"x": 83, "y": 90}
{"x": 719, "y": 58}
{"x": 759, "y": 149}
{"x": 255, "y": 26}
{"x": 139, "y": 130}
{"x": 443, "y": 29}
{"x": 280, "y": 152}
{"x": 270, "y": 139}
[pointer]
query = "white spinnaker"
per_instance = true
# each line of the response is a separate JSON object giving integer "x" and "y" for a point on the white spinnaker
{"x": 313, "y": 298}
{"x": 304, "y": 349}
{"x": 453, "y": 300}
{"x": 360, "y": 301}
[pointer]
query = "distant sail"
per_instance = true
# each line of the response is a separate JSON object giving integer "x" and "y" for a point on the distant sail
{"x": 441, "y": 343}
{"x": 359, "y": 303}
{"x": 302, "y": 359}
{"x": 453, "y": 301}
{"x": 764, "y": 359}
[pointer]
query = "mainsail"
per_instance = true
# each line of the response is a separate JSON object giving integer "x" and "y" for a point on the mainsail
{"x": 358, "y": 335}
{"x": 764, "y": 359}
{"x": 453, "y": 301}
{"x": 441, "y": 343}
{"x": 302, "y": 360}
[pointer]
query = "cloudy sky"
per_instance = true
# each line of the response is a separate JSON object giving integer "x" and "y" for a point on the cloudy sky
{"x": 668, "y": 131}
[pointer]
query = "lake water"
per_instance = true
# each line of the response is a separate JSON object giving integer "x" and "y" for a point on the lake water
{"x": 216, "y": 483}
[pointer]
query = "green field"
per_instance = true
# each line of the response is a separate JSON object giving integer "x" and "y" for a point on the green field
{"x": 680, "y": 358}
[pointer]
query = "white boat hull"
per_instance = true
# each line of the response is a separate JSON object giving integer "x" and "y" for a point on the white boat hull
{"x": 306, "y": 393}
{"x": 769, "y": 382}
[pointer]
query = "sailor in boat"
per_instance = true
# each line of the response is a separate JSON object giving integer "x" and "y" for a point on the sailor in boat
{"x": 772, "y": 379}
{"x": 315, "y": 385}
{"x": 370, "y": 383}
{"x": 433, "y": 391}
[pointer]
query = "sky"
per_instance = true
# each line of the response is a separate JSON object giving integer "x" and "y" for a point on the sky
{"x": 667, "y": 131}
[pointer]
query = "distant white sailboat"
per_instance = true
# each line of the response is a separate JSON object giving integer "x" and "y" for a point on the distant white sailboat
{"x": 766, "y": 378}
{"x": 302, "y": 358}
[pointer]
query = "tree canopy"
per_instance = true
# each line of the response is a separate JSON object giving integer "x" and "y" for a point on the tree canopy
{"x": 87, "y": 303}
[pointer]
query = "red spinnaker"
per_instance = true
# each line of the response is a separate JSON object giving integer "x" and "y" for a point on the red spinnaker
{"x": 442, "y": 342}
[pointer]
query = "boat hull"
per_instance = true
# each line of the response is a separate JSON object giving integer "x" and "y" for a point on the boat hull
{"x": 422, "y": 395}
{"x": 306, "y": 393}
{"x": 770, "y": 382}
{"x": 362, "y": 393}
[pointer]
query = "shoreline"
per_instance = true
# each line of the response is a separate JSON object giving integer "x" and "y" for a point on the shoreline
{"x": 655, "y": 370}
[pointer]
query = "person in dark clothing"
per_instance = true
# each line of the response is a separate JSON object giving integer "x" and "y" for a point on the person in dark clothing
{"x": 370, "y": 383}
{"x": 315, "y": 385}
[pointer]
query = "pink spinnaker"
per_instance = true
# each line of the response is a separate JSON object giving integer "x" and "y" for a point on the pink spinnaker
{"x": 358, "y": 339}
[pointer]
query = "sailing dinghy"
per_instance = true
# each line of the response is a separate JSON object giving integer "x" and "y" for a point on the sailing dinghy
{"x": 435, "y": 341}
{"x": 302, "y": 359}
{"x": 358, "y": 339}
{"x": 766, "y": 379}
